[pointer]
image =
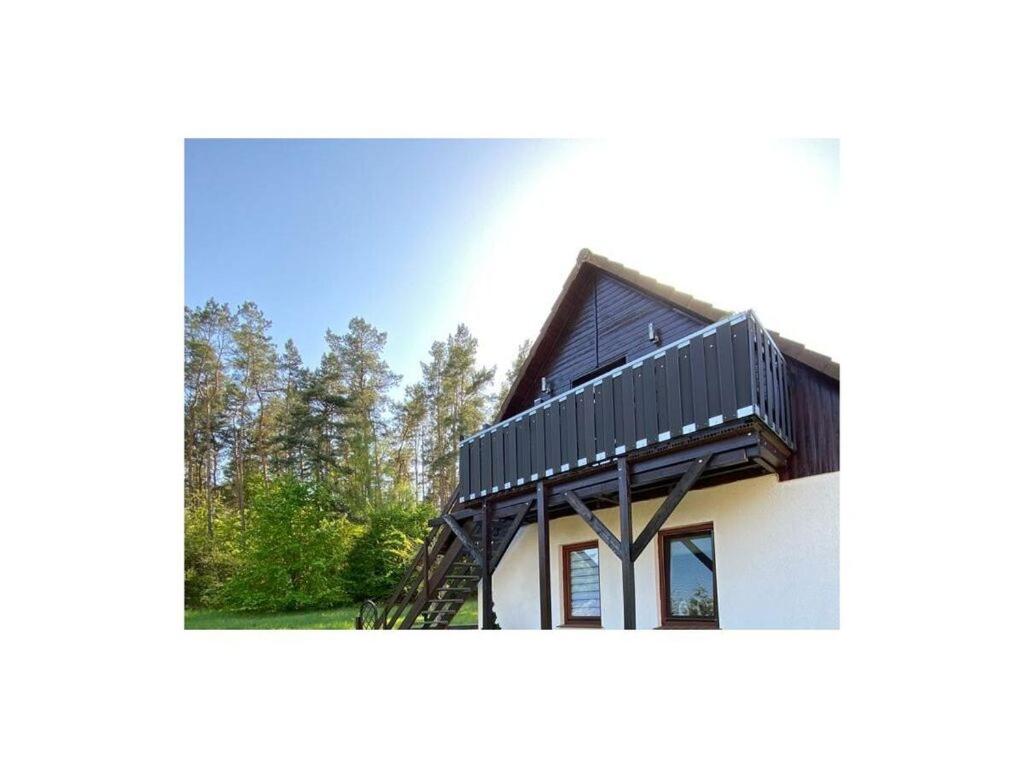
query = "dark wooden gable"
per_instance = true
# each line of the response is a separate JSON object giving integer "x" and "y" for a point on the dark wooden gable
{"x": 600, "y": 321}
{"x": 603, "y": 318}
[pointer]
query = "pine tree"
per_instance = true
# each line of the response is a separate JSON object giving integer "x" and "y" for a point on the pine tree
{"x": 208, "y": 346}
{"x": 510, "y": 377}
{"x": 289, "y": 416}
{"x": 356, "y": 366}
{"x": 263, "y": 426}
{"x": 406, "y": 459}
{"x": 455, "y": 393}
{"x": 254, "y": 369}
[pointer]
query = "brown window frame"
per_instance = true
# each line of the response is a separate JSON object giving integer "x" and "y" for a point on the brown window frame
{"x": 567, "y": 618}
{"x": 668, "y": 621}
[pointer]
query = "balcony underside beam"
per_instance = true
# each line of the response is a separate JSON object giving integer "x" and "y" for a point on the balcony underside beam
{"x": 737, "y": 453}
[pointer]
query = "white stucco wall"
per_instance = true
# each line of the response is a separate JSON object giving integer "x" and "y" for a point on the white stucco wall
{"x": 776, "y": 557}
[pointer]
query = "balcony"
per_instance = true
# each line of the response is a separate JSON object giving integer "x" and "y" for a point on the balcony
{"x": 726, "y": 379}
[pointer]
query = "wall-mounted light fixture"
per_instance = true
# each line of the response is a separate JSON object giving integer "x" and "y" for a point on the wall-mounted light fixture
{"x": 653, "y": 335}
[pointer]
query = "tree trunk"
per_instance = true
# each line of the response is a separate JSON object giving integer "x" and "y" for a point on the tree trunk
{"x": 239, "y": 477}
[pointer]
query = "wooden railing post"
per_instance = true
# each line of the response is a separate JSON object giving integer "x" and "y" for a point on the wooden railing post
{"x": 543, "y": 559}
{"x": 485, "y": 567}
{"x": 626, "y": 545}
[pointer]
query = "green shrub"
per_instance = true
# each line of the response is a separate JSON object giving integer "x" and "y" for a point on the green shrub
{"x": 293, "y": 552}
{"x": 384, "y": 545}
{"x": 210, "y": 561}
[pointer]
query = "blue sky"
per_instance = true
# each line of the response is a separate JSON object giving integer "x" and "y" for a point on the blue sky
{"x": 316, "y": 232}
{"x": 415, "y": 236}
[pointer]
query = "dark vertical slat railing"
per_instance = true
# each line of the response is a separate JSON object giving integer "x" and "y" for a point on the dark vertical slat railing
{"x": 650, "y": 408}
{"x": 589, "y": 424}
{"x": 498, "y": 453}
{"x": 628, "y": 408}
{"x": 700, "y": 384}
{"x": 486, "y": 443}
{"x": 571, "y": 433}
{"x": 674, "y": 402}
{"x": 537, "y": 431}
{"x": 728, "y": 371}
{"x": 726, "y": 377}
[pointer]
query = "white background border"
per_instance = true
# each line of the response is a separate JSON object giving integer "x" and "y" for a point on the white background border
{"x": 98, "y": 98}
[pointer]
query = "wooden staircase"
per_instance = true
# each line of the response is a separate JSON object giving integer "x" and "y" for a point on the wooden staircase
{"x": 445, "y": 572}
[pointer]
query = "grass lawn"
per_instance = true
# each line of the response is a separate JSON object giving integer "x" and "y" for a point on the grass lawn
{"x": 335, "y": 618}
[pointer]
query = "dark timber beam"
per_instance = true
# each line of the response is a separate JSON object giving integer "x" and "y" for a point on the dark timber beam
{"x": 591, "y": 519}
{"x": 462, "y": 536}
{"x": 668, "y": 506}
{"x": 626, "y": 545}
{"x": 499, "y": 550}
{"x": 487, "y": 614}
{"x": 543, "y": 559}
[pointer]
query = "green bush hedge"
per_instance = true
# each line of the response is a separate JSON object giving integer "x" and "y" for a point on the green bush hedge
{"x": 297, "y": 551}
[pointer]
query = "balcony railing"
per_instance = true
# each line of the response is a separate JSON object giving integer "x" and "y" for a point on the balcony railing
{"x": 727, "y": 371}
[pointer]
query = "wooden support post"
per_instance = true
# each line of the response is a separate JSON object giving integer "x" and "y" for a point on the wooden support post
{"x": 486, "y": 609}
{"x": 626, "y": 542}
{"x": 543, "y": 559}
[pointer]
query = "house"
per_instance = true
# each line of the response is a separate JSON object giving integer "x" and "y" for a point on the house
{"x": 658, "y": 463}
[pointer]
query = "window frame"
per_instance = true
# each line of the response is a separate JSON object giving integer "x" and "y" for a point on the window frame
{"x": 665, "y": 536}
{"x": 568, "y": 620}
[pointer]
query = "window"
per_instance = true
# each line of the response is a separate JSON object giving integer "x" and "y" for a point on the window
{"x": 611, "y": 366}
{"x": 581, "y": 584}
{"x": 689, "y": 595}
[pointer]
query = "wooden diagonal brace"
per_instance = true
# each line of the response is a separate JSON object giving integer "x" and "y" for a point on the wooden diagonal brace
{"x": 591, "y": 519}
{"x": 462, "y": 536}
{"x": 668, "y": 506}
{"x": 510, "y": 534}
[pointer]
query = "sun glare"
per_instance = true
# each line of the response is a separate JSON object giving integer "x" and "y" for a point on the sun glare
{"x": 712, "y": 218}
